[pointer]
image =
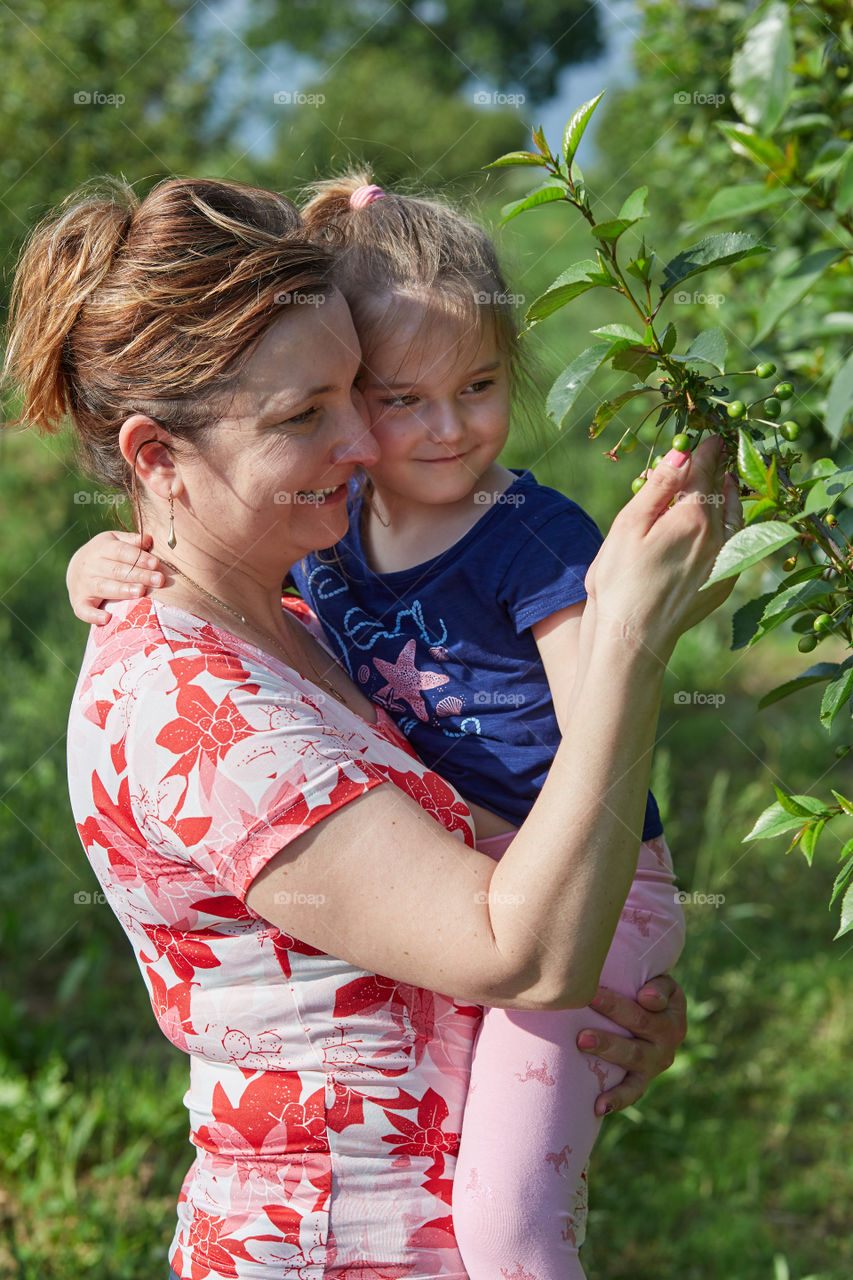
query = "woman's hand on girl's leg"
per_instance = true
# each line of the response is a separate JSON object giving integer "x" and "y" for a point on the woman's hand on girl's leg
{"x": 657, "y": 1021}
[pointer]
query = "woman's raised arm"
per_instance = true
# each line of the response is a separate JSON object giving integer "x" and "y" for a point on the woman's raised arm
{"x": 383, "y": 886}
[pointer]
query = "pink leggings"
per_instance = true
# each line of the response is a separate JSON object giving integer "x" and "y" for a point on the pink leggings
{"x": 519, "y": 1190}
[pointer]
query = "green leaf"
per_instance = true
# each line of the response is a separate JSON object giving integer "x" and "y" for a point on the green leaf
{"x": 572, "y": 381}
{"x": 618, "y": 331}
{"x": 844, "y": 193}
{"x": 635, "y": 360}
{"x": 611, "y": 231}
{"x": 800, "y": 806}
{"x": 847, "y": 806}
{"x": 846, "y": 914}
{"x": 761, "y": 507}
{"x": 809, "y": 838}
{"x": 713, "y": 251}
{"x": 749, "y": 197}
{"x": 789, "y": 288}
{"x": 845, "y": 872}
{"x": 543, "y": 195}
{"x": 773, "y": 822}
{"x": 575, "y": 128}
{"x": 634, "y": 207}
{"x": 607, "y": 411}
{"x": 540, "y": 142}
{"x": 749, "y": 462}
{"x": 747, "y": 547}
{"x": 669, "y": 338}
{"x": 817, "y": 674}
{"x": 746, "y": 620}
{"x": 744, "y": 141}
{"x": 709, "y": 347}
{"x": 793, "y": 597}
{"x": 570, "y": 284}
{"x": 516, "y": 157}
{"x": 835, "y": 696}
{"x": 839, "y": 402}
{"x": 761, "y": 78}
{"x": 772, "y": 485}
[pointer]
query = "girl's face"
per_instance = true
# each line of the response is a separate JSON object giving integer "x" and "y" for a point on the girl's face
{"x": 437, "y": 396}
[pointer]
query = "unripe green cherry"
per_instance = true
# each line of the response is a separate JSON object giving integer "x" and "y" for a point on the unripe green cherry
{"x": 765, "y": 370}
{"x": 657, "y": 460}
{"x": 784, "y": 390}
{"x": 823, "y": 622}
{"x": 772, "y": 407}
{"x": 805, "y": 644}
{"x": 790, "y": 430}
{"x": 637, "y": 484}
{"x": 681, "y": 442}
{"x": 789, "y": 564}
{"x": 831, "y": 520}
{"x": 736, "y": 409}
{"x": 629, "y": 443}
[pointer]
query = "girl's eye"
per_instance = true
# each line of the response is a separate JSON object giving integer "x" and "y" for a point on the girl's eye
{"x": 483, "y": 385}
{"x": 399, "y": 402}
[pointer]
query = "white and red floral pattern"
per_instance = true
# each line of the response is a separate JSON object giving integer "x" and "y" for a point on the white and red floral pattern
{"x": 325, "y": 1101}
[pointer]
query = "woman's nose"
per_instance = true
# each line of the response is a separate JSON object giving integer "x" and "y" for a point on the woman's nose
{"x": 357, "y": 444}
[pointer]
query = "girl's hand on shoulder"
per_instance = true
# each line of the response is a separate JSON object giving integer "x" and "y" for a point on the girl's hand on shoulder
{"x": 662, "y": 546}
{"x": 110, "y": 566}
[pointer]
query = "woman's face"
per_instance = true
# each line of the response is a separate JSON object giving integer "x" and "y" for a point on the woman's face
{"x": 270, "y": 482}
{"x": 437, "y": 396}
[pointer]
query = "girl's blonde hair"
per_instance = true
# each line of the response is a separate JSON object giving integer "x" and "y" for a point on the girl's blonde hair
{"x": 122, "y": 306}
{"x": 412, "y": 245}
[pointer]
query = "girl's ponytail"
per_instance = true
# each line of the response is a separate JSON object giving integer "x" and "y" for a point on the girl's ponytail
{"x": 64, "y": 263}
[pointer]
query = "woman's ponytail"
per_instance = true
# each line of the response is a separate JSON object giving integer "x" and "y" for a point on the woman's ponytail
{"x": 65, "y": 261}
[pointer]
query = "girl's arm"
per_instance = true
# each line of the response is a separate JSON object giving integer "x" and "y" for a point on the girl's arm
{"x": 110, "y": 566}
{"x": 557, "y": 639}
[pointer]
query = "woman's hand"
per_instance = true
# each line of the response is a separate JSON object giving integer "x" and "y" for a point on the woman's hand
{"x": 110, "y": 566}
{"x": 657, "y": 1021}
{"x": 664, "y": 542}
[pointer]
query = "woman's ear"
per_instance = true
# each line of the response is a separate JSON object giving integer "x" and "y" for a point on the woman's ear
{"x": 147, "y": 448}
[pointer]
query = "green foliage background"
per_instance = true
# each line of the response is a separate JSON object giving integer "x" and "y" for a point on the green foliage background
{"x": 737, "y": 1163}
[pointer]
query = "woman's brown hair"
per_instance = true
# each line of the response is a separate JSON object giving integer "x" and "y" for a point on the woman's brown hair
{"x": 122, "y": 306}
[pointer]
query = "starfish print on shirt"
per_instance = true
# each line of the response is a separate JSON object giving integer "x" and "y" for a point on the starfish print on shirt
{"x": 406, "y": 682}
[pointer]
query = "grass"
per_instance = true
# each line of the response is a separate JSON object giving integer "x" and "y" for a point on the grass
{"x": 736, "y": 1166}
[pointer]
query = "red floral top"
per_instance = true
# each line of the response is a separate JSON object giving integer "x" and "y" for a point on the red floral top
{"x": 325, "y": 1101}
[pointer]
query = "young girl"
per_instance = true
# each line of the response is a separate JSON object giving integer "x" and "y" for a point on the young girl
{"x": 457, "y": 585}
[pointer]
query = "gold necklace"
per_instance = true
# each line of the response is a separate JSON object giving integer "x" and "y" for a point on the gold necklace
{"x": 258, "y": 630}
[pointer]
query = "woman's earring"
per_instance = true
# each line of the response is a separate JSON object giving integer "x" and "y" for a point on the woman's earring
{"x": 172, "y": 541}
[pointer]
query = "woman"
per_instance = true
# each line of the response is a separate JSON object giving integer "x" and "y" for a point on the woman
{"x": 231, "y": 786}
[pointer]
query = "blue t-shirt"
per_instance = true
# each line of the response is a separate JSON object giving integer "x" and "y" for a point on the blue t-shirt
{"x": 446, "y": 646}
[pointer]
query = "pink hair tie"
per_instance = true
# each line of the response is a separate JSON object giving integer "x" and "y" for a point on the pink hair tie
{"x": 363, "y": 196}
